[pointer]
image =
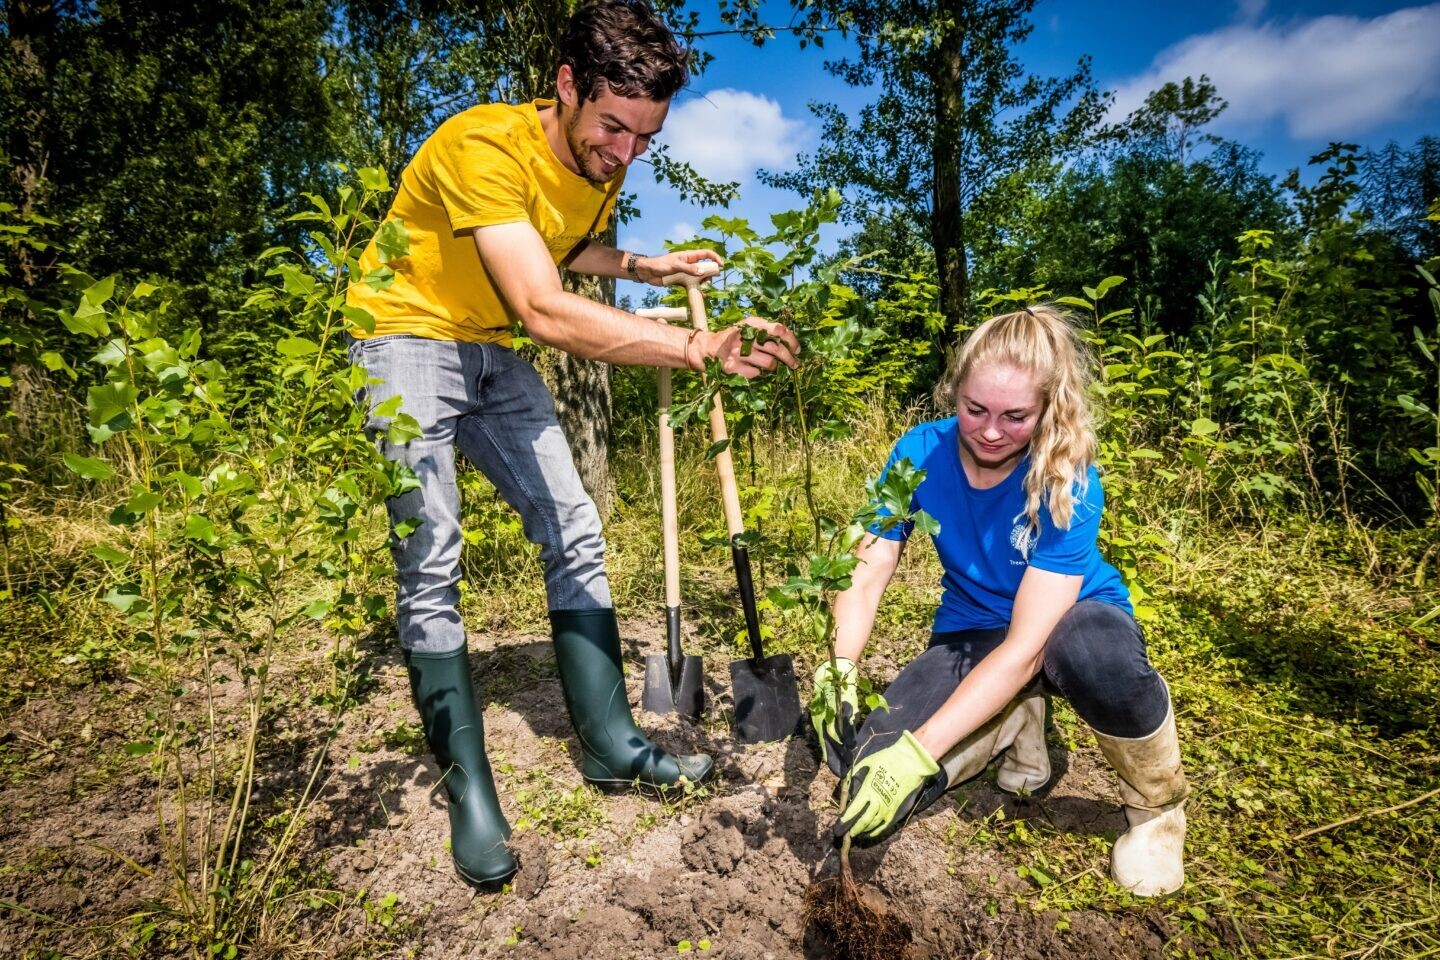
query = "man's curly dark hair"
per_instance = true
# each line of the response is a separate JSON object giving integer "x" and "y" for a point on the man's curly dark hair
{"x": 627, "y": 45}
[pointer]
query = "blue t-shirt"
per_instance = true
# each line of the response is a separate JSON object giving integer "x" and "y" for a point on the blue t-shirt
{"x": 983, "y": 533}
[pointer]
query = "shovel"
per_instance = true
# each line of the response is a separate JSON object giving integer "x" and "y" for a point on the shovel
{"x": 674, "y": 683}
{"x": 767, "y": 697}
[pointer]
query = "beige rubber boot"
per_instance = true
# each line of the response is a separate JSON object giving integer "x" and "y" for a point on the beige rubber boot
{"x": 971, "y": 756}
{"x": 1025, "y": 767}
{"x": 1149, "y": 858}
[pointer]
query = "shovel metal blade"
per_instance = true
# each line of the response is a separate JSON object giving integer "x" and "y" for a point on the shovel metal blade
{"x": 687, "y": 697}
{"x": 767, "y": 698}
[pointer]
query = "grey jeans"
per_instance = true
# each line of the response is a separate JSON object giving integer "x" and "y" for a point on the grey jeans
{"x": 494, "y": 407}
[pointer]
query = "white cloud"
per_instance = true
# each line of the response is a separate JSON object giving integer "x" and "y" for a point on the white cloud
{"x": 636, "y": 237}
{"x": 727, "y": 134}
{"x": 1248, "y": 11}
{"x": 1331, "y": 77}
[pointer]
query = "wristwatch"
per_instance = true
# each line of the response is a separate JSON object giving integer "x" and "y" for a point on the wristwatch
{"x": 631, "y": 260}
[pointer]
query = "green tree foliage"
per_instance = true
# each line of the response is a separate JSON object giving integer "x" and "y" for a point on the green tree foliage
{"x": 1156, "y": 204}
{"x": 164, "y": 138}
{"x": 398, "y": 69}
{"x": 956, "y": 116}
{"x": 1397, "y": 187}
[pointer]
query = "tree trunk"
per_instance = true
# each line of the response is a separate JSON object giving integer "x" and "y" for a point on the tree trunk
{"x": 947, "y": 221}
{"x": 27, "y": 21}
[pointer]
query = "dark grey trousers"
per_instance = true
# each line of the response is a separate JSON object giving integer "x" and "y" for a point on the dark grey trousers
{"x": 1095, "y": 658}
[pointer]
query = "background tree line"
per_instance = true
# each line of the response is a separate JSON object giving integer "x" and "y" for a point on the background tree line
{"x": 171, "y": 142}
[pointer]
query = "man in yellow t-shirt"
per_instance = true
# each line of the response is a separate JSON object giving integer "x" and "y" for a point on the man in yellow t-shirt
{"x": 493, "y": 202}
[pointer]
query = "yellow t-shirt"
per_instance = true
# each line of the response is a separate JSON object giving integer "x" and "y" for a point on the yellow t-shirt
{"x": 490, "y": 164}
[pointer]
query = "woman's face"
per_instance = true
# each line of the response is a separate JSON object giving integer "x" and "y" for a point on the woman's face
{"x": 999, "y": 406}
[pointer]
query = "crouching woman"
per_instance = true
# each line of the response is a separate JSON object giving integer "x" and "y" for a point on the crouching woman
{"x": 1029, "y": 608}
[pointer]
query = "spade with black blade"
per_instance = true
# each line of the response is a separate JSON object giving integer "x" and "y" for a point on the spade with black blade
{"x": 674, "y": 683}
{"x": 767, "y": 698}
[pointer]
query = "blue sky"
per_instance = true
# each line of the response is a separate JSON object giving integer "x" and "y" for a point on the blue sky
{"x": 1297, "y": 75}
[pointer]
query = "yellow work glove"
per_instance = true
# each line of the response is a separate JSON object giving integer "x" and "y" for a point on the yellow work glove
{"x": 884, "y": 787}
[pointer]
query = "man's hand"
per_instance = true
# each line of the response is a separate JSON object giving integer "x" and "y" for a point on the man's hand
{"x": 776, "y": 345}
{"x": 884, "y": 787}
{"x": 833, "y": 712}
{"x": 661, "y": 270}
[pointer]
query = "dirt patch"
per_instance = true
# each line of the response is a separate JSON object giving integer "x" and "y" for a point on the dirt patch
{"x": 601, "y": 876}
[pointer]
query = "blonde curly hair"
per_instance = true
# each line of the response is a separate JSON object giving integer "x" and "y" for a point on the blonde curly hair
{"x": 1044, "y": 341}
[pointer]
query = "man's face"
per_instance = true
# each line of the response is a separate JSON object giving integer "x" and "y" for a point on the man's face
{"x": 607, "y": 133}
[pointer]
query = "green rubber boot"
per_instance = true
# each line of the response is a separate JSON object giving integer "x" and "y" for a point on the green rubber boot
{"x": 454, "y": 728}
{"x": 616, "y": 753}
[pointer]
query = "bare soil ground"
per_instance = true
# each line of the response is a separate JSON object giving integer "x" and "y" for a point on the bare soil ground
{"x": 602, "y": 876}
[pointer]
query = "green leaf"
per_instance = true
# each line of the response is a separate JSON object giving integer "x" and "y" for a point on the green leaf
{"x": 403, "y": 428}
{"x": 87, "y": 319}
{"x": 199, "y": 527}
{"x": 1203, "y": 427}
{"x": 109, "y": 554}
{"x": 392, "y": 240}
{"x": 1106, "y": 285}
{"x": 98, "y": 293}
{"x": 139, "y": 748}
{"x": 133, "y": 510}
{"x": 142, "y": 290}
{"x": 926, "y": 523}
{"x": 109, "y": 405}
{"x": 1420, "y": 342}
{"x": 55, "y": 363}
{"x": 360, "y": 318}
{"x": 406, "y": 527}
{"x": 1041, "y": 877}
{"x": 316, "y": 609}
{"x": 296, "y": 347}
{"x": 1075, "y": 302}
{"x": 123, "y": 596}
{"x": 381, "y": 278}
{"x": 297, "y": 282}
{"x": 1411, "y": 406}
{"x": 716, "y": 449}
{"x": 374, "y": 179}
{"x": 89, "y": 467}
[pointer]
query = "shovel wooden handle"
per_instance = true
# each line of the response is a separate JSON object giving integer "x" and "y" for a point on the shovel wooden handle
{"x": 669, "y": 513}
{"x": 670, "y": 521}
{"x": 719, "y": 432}
{"x": 729, "y": 489}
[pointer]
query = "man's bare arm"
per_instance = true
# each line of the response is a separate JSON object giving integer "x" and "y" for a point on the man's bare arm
{"x": 598, "y": 260}
{"x": 517, "y": 260}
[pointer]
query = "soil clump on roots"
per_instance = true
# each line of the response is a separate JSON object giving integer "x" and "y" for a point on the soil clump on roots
{"x": 853, "y": 921}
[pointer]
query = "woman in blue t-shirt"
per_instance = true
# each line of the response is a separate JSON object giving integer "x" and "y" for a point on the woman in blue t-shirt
{"x": 1029, "y": 607}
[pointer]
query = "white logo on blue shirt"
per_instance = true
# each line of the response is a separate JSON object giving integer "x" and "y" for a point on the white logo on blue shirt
{"x": 1022, "y": 538}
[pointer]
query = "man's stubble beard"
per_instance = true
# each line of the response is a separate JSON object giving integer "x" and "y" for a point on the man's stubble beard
{"x": 578, "y": 151}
